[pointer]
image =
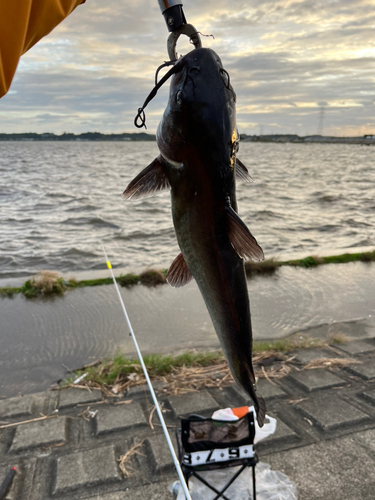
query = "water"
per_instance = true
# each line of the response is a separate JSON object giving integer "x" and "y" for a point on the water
{"x": 60, "y": 201}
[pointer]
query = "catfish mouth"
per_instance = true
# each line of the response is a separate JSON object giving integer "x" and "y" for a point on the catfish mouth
{"x": 201, "y": 64}
{"x": 199, "y": 75}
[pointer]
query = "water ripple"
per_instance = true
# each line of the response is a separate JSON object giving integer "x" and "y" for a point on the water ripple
{"x": 60, "y": 202}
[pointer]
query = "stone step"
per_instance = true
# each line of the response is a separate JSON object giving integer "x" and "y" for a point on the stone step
{"x": 86, "y": 469}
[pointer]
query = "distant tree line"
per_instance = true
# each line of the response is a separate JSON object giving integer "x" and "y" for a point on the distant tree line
{"x": 87, "y": 136}
{"x": 141, "y": 136}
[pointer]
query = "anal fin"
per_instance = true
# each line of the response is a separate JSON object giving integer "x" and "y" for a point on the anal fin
{"x": 242, "y": 240}
{"x": 179, "y": 274}
{"x": 153, "y": 178}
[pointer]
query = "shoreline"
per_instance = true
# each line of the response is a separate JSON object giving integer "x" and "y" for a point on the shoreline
{"x": 367, "y": 140}
{"x": 47, "y": 283}
{"x": 40, "y": 337}
{"x": 198, "y": 368}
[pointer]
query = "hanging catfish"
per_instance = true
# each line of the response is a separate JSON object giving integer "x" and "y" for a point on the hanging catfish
{"x": 198, "y": 141}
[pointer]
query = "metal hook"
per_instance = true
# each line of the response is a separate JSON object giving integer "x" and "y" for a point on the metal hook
{"x": 185, "y": 29}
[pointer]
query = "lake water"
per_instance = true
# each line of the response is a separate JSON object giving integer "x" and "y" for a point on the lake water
{"x": 59, "y": 202}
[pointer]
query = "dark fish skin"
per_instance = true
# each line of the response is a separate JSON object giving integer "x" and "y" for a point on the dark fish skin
{"x": 198, "y": 141}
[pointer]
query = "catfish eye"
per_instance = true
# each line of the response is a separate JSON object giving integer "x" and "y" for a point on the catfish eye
{"x": 179, "y": 97}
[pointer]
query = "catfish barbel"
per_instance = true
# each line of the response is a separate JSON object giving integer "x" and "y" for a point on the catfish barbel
{"x": 198, "y": 142}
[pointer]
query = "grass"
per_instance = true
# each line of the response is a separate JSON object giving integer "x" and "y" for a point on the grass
{"x": 8, "y": 291}
{"x": 111, "y": 370}
{"x": 190, "y": 370}
{"x": 153, "y": 277}
{"x": 313, "y": 261}
{"x": 268, "y": 266}
{"x": 95, "y": 282}
{"x": 149, "y": 277}
{"x": 295, "y": 342}
{"x": 128, "y": 280}
{"x": 42, "y": 284}
{"x": 48, "y": 283}
{"x": 51, "y": 283}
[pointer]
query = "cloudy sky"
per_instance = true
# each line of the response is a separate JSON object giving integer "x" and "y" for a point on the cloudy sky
{"x": 287, "y": 60}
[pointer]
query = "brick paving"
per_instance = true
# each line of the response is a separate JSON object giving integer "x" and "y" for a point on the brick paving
{"x": 366, "y": 370}
{"x": 324, "y": 439}
{"x": 313, "y": 380}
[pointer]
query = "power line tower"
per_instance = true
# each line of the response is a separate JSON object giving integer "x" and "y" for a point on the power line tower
{"x": 321, "y": 120}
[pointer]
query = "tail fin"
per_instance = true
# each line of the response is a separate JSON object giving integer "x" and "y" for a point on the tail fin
{"x": 259, "y": 403}
{"x": 260, "y": 407}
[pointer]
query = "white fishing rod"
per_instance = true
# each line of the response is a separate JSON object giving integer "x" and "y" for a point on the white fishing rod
{"x": 160, "y": 415}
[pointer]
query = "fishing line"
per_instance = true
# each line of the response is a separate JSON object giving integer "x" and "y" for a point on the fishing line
{"x": 141, "y": 114}
{"x": 164, "y": 65}
{"x": 202, "y": 34}
{"x": 158, "y": 410}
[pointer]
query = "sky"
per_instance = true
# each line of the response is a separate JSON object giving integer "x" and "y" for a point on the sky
{"x": 297, "y": 66}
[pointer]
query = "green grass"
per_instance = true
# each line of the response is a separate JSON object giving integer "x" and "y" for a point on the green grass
{"x": 158, "y": 364}
{"x": 350, "y": 257}
{"x": 306, "y": 262}
{"x": 96, "y": 282}
{"x": 313, "y": 261}
{"x": 154, "y": 277}
{"x": 8, "y": 291}
{"x": 110, "y": 370}
{"x": 30, "y": 289}
{"x": 128, "y": 280}
{"x": 295, "y": 342}
{"x": 45, "y": 283}
{"x": 270, "y": 266}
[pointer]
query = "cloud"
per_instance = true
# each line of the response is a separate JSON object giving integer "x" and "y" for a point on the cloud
{"x": 284, "y": 58}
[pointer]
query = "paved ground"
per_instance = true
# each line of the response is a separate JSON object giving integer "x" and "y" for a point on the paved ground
{"x": 325, "y": 440}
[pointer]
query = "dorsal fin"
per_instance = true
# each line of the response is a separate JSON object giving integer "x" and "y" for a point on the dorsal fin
{"x": 153, "y": 178}
{"x": 242, "y": 171}
{"x": 242, "y": 240}
{"x": 179, "y": 274}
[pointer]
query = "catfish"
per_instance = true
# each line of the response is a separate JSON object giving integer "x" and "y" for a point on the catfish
{"x": 198, "y": 142}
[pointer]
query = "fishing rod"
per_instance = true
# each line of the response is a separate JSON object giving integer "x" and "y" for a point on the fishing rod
{"x": 158, "y": 410}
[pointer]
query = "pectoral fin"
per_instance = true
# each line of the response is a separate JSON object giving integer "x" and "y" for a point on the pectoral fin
{"x": 153, "y": 178}
{"x": 179, "y": 274}
{"x": 242, "y": 240}
{"x": 242, "y": 172}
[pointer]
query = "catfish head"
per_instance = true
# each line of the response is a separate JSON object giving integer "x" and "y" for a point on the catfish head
{"x": 197, "y": 131}
{"x": 200, "y": 111}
